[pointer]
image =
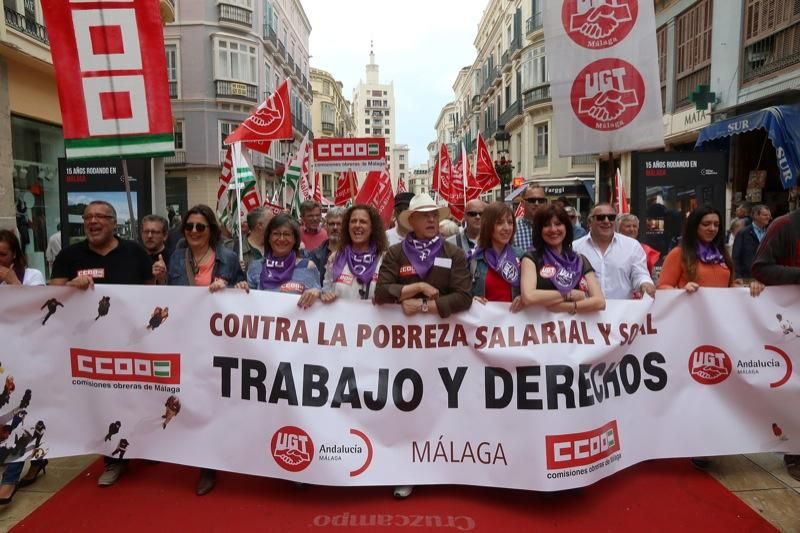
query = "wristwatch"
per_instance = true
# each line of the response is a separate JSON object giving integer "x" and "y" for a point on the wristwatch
{"x": 424, "y": 307}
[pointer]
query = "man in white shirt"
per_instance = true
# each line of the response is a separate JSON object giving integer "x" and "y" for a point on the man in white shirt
{"x": 618, "y": 261}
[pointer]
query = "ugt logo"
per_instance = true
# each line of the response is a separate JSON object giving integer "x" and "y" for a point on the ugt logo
{"x": 598, "y": 24}
{"x": 292, "y": 448}
{"x": 607, "y": 94}
{"x": 709, "y": 365}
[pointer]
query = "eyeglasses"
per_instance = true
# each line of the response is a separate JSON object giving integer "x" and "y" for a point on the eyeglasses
{"x": 152, "y": 232}
{"x": 474, "y": 213}
{"x": 195, "y": 226}
{"x": 610, "y": 217}
{"x": 91, "y": 217}
{"x": 536, "y": 200}
{"x": 282, "y": 235}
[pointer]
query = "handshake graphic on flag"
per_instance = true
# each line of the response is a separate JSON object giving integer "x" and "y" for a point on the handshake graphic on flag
{"x": 607, "y": 105}
{"x": 598, "y": 19}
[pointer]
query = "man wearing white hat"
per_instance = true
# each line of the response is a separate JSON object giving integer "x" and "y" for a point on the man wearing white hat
{"x": 423, "y": 273}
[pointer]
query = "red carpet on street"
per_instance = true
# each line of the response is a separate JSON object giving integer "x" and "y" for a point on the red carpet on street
{"x": 667, "y": 495}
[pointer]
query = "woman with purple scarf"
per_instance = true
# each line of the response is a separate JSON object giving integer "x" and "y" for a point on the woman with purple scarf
{"x": 284, "y": 268}
{"x": 494, "y": 262}
{"x": 13, "y": 265}
{"x": 701, "y": 259}
{"x": 352, "y": 270}
{"x": 555, "y": 276}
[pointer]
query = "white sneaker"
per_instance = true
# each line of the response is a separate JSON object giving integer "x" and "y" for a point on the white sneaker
{"x": 111, "y": 474}
{"x": 403, "y": 491}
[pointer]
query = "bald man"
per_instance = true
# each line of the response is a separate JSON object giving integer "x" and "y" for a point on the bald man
{"x": 467, "y": 237}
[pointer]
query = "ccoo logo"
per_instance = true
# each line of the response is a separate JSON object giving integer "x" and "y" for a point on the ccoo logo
{"x": 292, "y": 448}
{"x": 709, "y": 365}
{"x": 598, "y": 24}
{"x": 607, "y": 94}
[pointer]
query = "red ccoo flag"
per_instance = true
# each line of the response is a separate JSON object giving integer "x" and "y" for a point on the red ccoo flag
{"x": 346, "y": 188}
{"x": 271, "y": 121}
{"x": 317, "y": 189}
{"x": 442, "y": 172}
{"x": 377, "y": 191}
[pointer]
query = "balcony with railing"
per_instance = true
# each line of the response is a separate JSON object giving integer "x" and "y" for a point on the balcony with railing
{"x": 772, "y": 53}
{"x": 26, "y": 25}
{"x": 516, "y": 44}
{"x": 540, "y": 161}
{"x": 582, "y": 161}
{"x": 173, "y": 89}
{"x": 328, "y": 127}
{"x": 270, "y": 38}
{"x": 490, "y": 129}
{"x": 236, "y": 89}
{"x": 290, "y": 62}
{"x": 536, "y": 95}
{"x": 281, "y": 51}
{"x": 508, "y": 115}
{"x": 476, "y": 100}
{"x": 533, "y": 25}
{"x": 505, "y": 63}
{"x": 235, "y": 15}
{"x": 298, "y": 72}
{"x": 179, "y": 159}
{"x": 490, "y": 76}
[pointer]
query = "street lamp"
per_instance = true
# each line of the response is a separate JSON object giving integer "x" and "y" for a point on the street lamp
{"x": 503, "y": 167}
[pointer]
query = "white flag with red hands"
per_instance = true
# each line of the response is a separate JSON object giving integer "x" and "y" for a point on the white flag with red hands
{"x": 271, "y": 121}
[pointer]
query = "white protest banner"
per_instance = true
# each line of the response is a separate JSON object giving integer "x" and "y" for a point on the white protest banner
{"x": 353, "y": 394}
{"x": 605, "y": 89}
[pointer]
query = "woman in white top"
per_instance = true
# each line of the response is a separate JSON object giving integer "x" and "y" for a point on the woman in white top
{"x": 352, "y": 269}
{"x": 13, "y": 265}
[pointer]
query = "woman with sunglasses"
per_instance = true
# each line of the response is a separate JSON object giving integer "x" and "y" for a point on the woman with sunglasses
{"x": 284, "y": 267}
{"x": 494, "y": 262}
{"x": 352, "y": 270}
{"x": 201, "y": 260}
{"x": 553, "y": 275}
{"x": 701, "y": 259}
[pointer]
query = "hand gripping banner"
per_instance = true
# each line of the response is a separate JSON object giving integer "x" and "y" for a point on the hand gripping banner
{"x": 355, "y": 394}
{"x": 112, "y": 77}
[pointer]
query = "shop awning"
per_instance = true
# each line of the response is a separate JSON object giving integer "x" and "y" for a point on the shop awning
{"x": 783, "y": 128}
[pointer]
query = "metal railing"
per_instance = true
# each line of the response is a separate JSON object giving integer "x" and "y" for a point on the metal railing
{"x": 490, "y": 129}
{"x": 298, "y": 72}
{"x": 540, "y": 161}
{"x": 771, "y": 54}
{"x": 537, "y": 95}
{"x": 26, "y": 25}
{"x": 508, "y": 115}
{"x": 271, "y": 37}
{"x": 328, "y": 127}
{"x": 236, "y": 15}
{"x": 476, "y": 100}
{"x": 582, "y": 161}
{"x": 516, "y": 44}
{"x": 281, "y": 50}
{"x": 291, "y": 62}
{"x": 178, "y": 159}
{"x": 506, "y": 61}
{"x": 173, "y": 89}
{"x": 533, "y": 24}
{"x": 236, "y": 89}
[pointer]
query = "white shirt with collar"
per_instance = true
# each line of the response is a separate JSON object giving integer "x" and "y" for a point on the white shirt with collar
{"x": 621, "y": 270}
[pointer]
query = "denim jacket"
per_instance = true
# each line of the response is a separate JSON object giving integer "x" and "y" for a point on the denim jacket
{"x": 303, "y": 277}
{"x": 479, "y": 267}
{"x": 226, "y": 266}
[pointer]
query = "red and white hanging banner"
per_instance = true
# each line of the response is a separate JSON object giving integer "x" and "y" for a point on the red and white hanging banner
{"x": 606, "y": 90}
{"x": 111, "y": 73}
{"x": 377, "y": 191}
{"x": 356, "y": 153}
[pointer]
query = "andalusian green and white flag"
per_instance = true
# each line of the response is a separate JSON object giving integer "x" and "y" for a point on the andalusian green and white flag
{"x": 236, "y": 173}
{"x": 296, "y": 182}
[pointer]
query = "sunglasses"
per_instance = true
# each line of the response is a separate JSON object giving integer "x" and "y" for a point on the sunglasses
{"x": 195, "y": 226}
{"x": 536, "y": 200}
{"x": 474, "y": 213}
{"x": 611, "y": 218}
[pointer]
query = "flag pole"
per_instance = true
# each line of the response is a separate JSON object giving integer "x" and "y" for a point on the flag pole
{"x": 237, "y": 151}
{"x": 131, "y": 214}
{"x": 351, "y": 183}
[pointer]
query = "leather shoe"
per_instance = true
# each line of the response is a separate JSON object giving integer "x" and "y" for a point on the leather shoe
{"x": 403, "y": 491}
{"x": 207, "y": 481}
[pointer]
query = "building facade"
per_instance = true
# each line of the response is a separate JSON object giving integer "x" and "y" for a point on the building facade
{"x": 375, "y": 115}
{"x": 223, "y": 60}
{"x": 331, "y": 117}
{"x": 419, "y": 180}
{"x": 31, "y": 136}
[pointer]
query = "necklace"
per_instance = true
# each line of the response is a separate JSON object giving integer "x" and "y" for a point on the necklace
{"x": 196, "y": 263}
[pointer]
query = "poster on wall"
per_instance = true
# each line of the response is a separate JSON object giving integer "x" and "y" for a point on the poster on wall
{"x": 82, "y": 182}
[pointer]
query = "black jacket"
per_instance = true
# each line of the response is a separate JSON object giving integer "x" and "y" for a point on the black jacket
{"x": 745, "y": 246}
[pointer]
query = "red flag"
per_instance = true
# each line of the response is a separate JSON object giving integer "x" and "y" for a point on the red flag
{"x": 442, "y": 172}
{"x": 274, "y": 209}
{"x": 456, "y": 197}
{"x": 520, "y": 212}
{"x": 486, "y": 177}
{"x": 620, "y": 201}
{"x": 271, "y": 121}
{"x": 346, "y": 188}
{"x": 317, "y": 189}
{"x": 401, "y": 185}
{"x": 377, "y": 190}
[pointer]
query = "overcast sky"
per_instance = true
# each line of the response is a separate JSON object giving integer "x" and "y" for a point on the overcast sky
{"x": 420, "y": 45}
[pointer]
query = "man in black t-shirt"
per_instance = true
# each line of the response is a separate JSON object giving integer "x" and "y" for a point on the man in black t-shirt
{"x": 102, "y": 257}
{"x": 106, "y": 259}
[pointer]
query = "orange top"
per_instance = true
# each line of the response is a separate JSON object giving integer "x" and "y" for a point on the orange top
{"x": 673, "y": 274}
{"x": 203, "y": 276}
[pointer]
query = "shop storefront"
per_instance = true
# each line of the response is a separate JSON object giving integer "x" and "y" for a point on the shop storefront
{"x": 36, "y": 147}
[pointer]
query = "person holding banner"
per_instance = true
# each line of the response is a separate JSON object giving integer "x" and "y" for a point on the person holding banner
{"x": 701, "y": 259}
{"x": 494, "y": 263}
{"x": 284, "y": 267}
{"x": 553, "y": 274}
{"x": 202, "y": 260}
{"x": 352, "y": 270}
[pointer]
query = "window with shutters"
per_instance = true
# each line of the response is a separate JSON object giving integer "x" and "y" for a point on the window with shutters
{"x": 661, "y": 43}
{"x": 771, "y": 37}
{"x": 693, "y": 50}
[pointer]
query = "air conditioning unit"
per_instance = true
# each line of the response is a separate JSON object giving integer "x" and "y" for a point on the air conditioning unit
{"x": 757, "y": 56}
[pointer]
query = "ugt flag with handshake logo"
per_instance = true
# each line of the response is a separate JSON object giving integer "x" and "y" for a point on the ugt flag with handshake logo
{"x": 606, "y": 91}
